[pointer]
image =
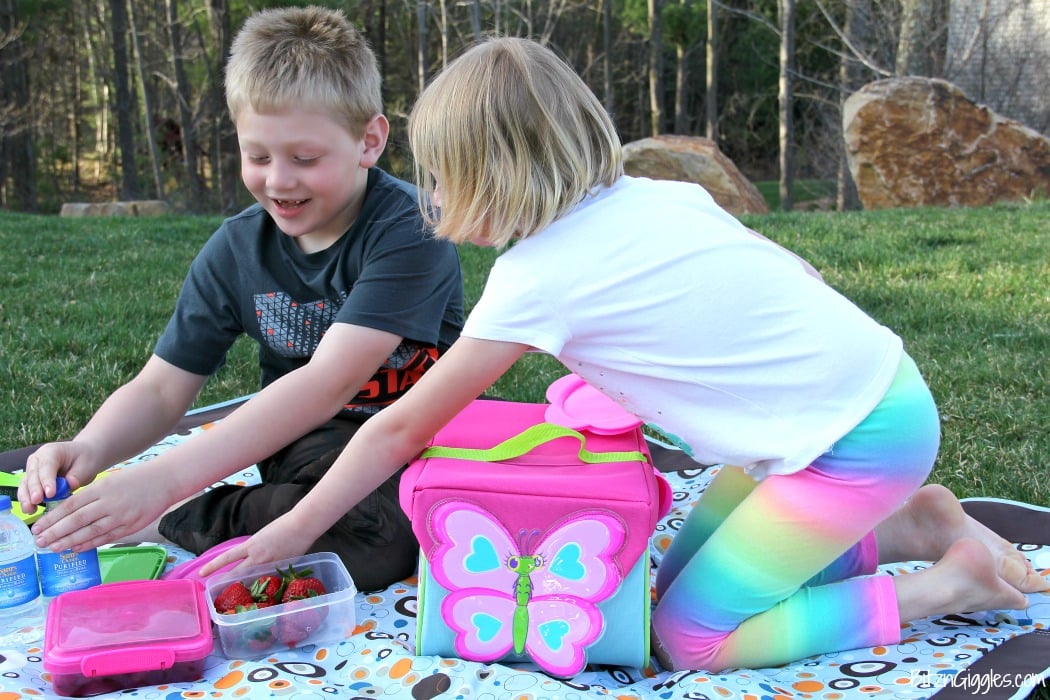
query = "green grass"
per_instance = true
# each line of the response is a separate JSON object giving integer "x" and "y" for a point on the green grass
{"x": 82, "y": 301}
{"x": 806, "y": 191}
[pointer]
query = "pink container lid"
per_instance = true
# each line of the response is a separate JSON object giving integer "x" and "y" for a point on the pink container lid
{"x": 127, "y": 627}
{"x": 577, "y": 405}
{"x": 191, "y": 569}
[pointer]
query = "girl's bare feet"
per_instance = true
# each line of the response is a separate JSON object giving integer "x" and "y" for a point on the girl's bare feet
{"x": 933, "y": 520}
{"x": 964, "y": 580}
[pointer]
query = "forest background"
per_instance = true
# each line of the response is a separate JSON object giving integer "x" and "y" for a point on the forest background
{"x": 121, "y": 100}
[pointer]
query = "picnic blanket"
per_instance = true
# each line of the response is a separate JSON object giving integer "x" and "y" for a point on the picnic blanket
{"x": 997, "y": 654}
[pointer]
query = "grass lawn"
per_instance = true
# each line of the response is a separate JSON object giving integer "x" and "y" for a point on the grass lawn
{"x": 806, "y": 192}
{"x": 82, "y": 301}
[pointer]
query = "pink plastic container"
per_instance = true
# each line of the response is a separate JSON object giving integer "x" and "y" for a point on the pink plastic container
{"x": 127, "y": 635}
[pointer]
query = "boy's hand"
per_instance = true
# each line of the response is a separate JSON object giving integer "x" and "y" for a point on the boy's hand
{"x": 124, "y": 502}
{"x": 73, "y": 460}
{"x": 278, "y": 540}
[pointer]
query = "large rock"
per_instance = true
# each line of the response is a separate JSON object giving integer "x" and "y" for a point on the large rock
{"x": 141, "y": 207}
{"x": 921, "y": 142}
{"x": 694, "y": 159}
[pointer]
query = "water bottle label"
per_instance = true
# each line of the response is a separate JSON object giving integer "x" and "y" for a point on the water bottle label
{"x": 67, "y": 571}
{"x": 18, "y": 582}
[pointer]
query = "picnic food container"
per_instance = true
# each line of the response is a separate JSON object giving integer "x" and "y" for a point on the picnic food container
{"x": 131, "y": 563}
{"x": 323, "y": 619}
{"x": 125, "y": 635}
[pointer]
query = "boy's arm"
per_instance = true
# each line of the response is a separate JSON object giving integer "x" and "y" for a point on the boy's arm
{"x": 379, "y": 448}
{"x": 134, "y": 417}
{"x": 129, "y": 500}
{"x": 288, "y": 408}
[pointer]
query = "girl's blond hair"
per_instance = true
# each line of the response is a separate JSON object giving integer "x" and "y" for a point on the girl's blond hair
{"x": 310, "y": 57}
{"x": 514, "y": 138}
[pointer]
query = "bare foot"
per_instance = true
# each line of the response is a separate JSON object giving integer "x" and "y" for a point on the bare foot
{"x": 933, "y": 520}
{"x": 964, "y": 580}
{"x": 659, "y": 652}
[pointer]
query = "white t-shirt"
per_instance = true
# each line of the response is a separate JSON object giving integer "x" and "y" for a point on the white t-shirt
{"x": 656, "y": 296}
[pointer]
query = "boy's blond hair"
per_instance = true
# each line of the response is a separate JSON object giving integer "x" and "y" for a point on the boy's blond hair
{"x": 514, "y": 138}
{"x": 309, "y": 57}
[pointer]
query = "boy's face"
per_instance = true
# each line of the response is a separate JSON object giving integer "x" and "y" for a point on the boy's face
{"x": 307, "y": 171}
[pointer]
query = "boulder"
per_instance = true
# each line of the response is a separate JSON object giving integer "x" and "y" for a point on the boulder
{"x": 916, "y": 141}
{"x": 142, "y": 207}
{"x": 694, "y": 159}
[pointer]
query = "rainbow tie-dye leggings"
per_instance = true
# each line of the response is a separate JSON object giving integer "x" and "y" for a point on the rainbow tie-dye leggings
{"x": 771, "y": 571}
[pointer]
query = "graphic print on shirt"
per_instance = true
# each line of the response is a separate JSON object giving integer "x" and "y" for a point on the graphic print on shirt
{"x": 401, "y": 370}
{"x": 291, "y": 329}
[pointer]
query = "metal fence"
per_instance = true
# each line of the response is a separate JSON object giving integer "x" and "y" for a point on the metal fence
{"x": 999, "y": 54}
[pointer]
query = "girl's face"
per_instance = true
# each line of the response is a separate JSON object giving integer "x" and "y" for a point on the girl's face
{"x": 306, "y": 170}
{"x": 436, "y": 199}
{"x": 435, "y": 196}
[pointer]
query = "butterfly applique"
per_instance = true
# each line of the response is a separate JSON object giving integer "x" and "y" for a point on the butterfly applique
{"x": 536, "y": 593}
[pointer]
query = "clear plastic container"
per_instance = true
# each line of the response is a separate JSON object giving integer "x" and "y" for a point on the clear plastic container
{"x": 21, "y": 607}
{"x": 322, "y": 620}
{"x": 128, "y": 634}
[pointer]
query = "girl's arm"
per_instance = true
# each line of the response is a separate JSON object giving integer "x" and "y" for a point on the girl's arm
{"x": 380, "y": 447}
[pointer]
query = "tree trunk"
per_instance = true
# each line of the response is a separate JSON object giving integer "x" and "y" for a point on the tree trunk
{"x": 856, "y": 30}
{"x": 18, "y": 162}
{"x": 785, "y": 100}
{"x": 475, "y": 20}
{"x": 607, "y": 71}
{"x": 681, "y": 90}
{"x": 129, "y": 187}
{"x": 183, "y": 96}
{"x": 711, "y": 78}
{"x": 445, "y": 31}
{"x": 74, "y": 125}
{"x": 90, "y": 30}
{"x": 226, "y": 150}
{"x": 683, "y": 46}
{"x": 150, "y": 109}
{"x": 656, "y": 50}
{"x": 421, "y": 46}
{"x": 916, "y": 36}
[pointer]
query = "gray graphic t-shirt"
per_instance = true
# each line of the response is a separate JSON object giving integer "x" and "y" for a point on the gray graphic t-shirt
{"x": 387, "y": 272}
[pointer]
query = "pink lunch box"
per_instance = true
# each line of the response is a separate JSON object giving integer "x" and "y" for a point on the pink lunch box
{"x": 127, "y": 635}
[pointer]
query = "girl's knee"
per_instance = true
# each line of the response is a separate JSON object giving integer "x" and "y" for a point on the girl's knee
{"x": 680, "y": 644}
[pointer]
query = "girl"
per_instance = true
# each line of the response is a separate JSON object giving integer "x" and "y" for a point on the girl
{"x": 664, "y": 302}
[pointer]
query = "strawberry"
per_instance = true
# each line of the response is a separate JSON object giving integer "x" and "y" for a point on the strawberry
{"x": 295, "y": 627}
{"x": 304, "y": 617}
{"x": 267, "y": 589}
{"x": 301, "y": 585}
{"x": 233, "y": 596}
{"x": 259, "y": 635}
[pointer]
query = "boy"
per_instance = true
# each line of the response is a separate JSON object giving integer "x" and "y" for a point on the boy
{"x": 332, "y": 273}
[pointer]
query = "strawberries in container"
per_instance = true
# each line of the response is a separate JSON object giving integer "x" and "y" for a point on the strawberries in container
{"x": 293, "y": 602}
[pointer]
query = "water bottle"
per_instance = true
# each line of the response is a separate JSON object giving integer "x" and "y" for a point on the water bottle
{"x": 65, "y": 571}
{"x": 21, "y": 608}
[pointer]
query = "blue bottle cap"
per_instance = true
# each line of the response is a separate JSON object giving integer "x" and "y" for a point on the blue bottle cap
{"x": 5, "y": 503}
{"x": 61, "y": 490}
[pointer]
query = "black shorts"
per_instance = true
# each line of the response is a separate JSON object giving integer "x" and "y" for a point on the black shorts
{"x": 374, "y": 539}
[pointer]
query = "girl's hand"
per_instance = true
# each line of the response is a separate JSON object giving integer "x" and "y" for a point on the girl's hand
{"x": 123, "y": 503}
{"x": 278, "y": 540}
